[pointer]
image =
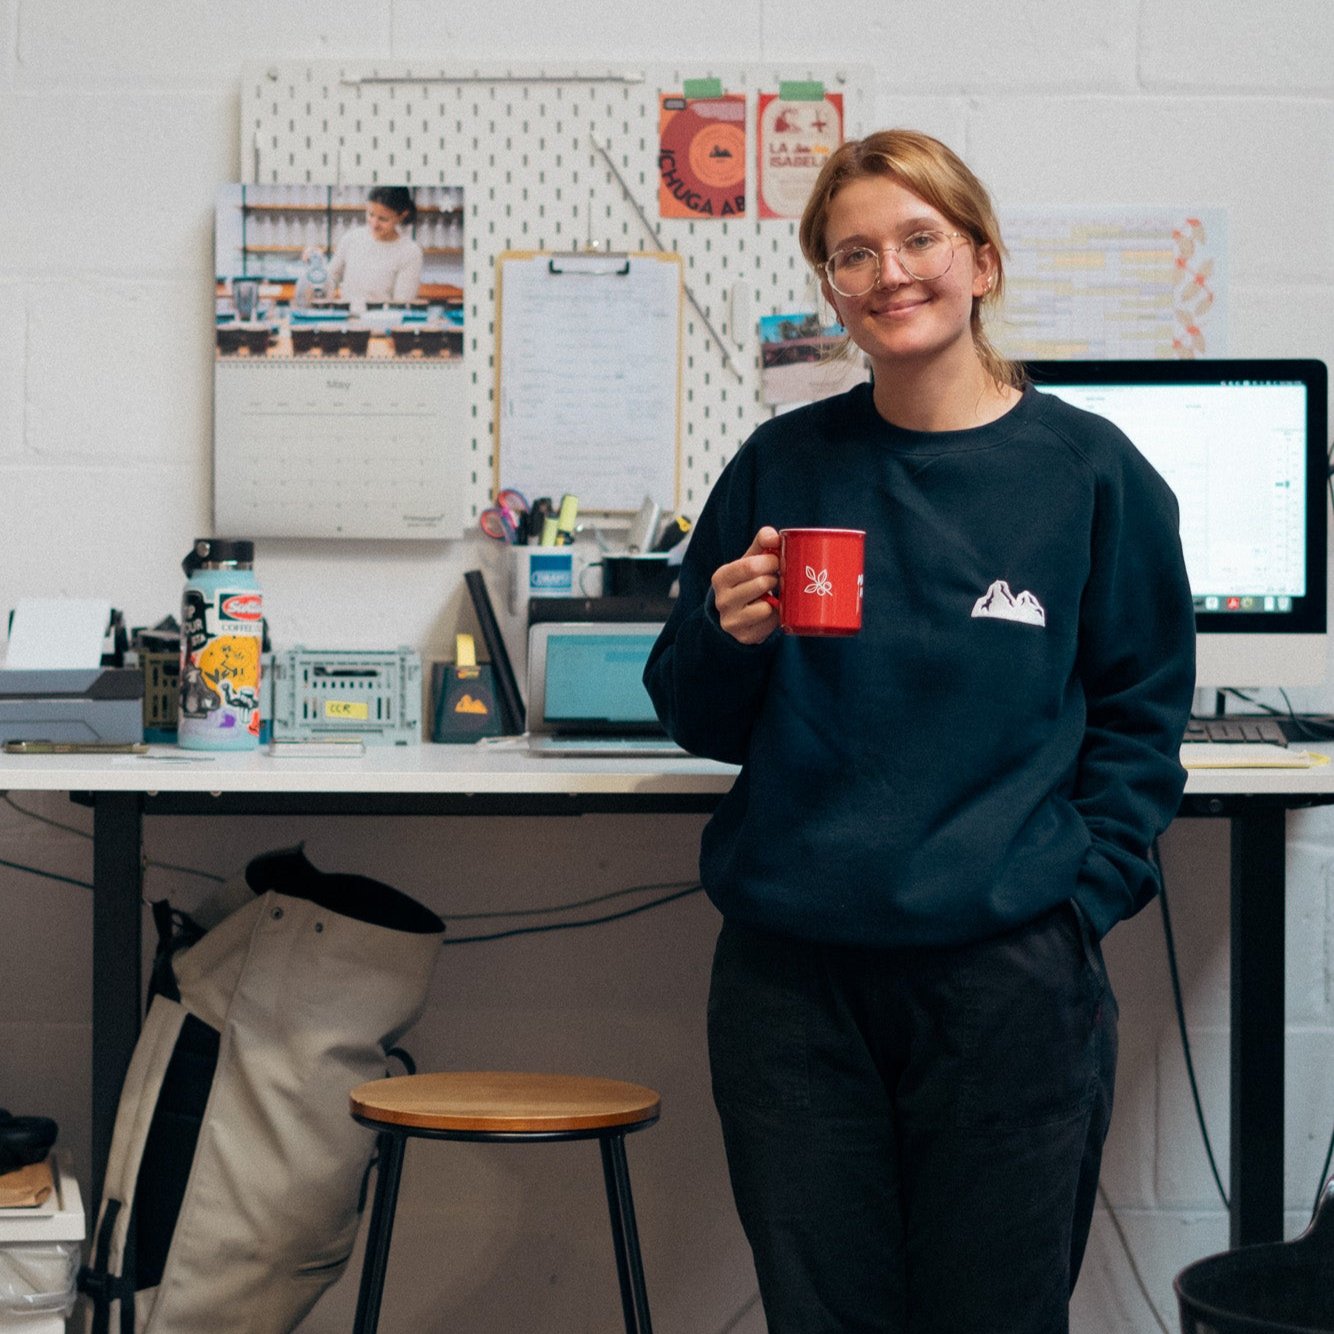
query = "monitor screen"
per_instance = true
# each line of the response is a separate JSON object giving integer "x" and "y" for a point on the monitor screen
{"x": 1242, "y": 443}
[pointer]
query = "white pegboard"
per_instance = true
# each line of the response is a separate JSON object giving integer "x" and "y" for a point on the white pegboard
{"x": 521, "y": 141}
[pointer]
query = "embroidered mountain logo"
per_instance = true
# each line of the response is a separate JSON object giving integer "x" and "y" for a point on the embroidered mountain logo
{"x": 1002, "y": 605}
{"x": 819, "y": 582}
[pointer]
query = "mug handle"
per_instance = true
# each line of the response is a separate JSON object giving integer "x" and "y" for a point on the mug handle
{"x": 772, "y": 601}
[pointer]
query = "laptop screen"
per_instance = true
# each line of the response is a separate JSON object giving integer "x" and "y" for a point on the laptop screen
{"x": 587, "y": 676}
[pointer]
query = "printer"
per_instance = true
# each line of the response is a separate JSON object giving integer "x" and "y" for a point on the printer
{"x": 81, "y": 704}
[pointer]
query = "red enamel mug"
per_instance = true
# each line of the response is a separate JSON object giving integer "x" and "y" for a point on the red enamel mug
{"x": 820, "y": 580}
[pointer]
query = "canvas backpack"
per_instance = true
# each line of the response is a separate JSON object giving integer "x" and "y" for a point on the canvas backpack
{"x": 235, "y": 1176}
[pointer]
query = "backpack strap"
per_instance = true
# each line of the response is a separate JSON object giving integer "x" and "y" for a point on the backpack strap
{"x": 103, "y": 1287}
{"x": 112, "y": 1275}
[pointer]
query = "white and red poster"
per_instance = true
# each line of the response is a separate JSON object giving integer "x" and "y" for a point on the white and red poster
{"x": 795, "y": 137}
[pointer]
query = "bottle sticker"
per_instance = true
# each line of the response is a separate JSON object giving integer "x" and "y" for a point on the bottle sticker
{"x": 220, "y": 663}
{"x": 241, "y": 607}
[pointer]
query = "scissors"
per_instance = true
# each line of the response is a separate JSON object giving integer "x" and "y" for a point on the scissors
{"x": 507, "y": 519}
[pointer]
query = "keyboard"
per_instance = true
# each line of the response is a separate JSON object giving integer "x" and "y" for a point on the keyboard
{"x": 1230, "y": 731}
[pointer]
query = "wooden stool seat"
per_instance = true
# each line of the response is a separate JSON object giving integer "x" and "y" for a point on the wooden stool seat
{"x": 504, "y": 1106}
{"x": 505, "y": 1102}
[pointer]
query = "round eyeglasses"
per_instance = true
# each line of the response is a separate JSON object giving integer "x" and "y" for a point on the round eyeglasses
{"x": 855, "y": 269}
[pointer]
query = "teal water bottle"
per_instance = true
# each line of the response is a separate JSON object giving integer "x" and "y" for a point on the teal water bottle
{"x": 222, "y": 632}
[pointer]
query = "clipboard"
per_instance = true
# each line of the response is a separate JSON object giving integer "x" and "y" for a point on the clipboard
{"x": 588, "y": 376}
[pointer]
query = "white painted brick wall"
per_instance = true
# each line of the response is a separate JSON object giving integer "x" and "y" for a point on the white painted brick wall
{"x": 117, "y": 123}
{"x": 1267, "y": 161}
{"x": 1279, "y": 47}
{"x": 964, "y": 49}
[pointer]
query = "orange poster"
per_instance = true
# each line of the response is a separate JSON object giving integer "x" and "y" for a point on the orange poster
{"x": 795, "y": 139}
{"x": 702, "y": 156}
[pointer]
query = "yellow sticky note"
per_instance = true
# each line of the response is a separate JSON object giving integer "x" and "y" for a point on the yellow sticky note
{"x": 347, "y": 708}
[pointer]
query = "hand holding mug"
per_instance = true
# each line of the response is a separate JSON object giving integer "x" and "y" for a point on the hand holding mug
{"x": 741, "y": 586}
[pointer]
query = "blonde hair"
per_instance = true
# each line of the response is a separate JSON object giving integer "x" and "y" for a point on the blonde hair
{"x": 936, "y": 174}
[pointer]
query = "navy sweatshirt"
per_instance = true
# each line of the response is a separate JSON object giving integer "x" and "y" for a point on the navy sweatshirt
{"x": 1001, "y": 736}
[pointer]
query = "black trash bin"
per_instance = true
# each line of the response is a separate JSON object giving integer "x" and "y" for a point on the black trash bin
{"x": 1284, "y": 1288}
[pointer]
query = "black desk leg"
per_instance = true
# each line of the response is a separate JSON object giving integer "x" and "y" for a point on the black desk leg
{"x": 1258, "y": 1024}
{"x": 117, "y": 890}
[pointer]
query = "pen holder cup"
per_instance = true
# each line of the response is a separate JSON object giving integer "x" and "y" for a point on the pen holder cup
{"x": 541, "y": 572}
{"x": 646, "y": 575}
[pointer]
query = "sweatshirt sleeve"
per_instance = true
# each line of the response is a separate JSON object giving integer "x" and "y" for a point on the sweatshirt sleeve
{"x": 1137, "y": 667}
{"x": 408, "y": 278}
{"x": 706, "y": 686}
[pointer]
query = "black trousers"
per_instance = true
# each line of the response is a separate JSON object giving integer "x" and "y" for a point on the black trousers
{"x": 914, "y": 1136}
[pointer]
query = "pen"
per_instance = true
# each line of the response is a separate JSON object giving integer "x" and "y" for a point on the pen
{"x": 569, "y": 511}
{"x": 537, "y": 517}
{"x": 75, "y": 748}
{"x": 675, "y": 531}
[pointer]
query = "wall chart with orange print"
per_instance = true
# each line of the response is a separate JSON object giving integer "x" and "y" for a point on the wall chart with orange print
{"x": 1118, "y": 283}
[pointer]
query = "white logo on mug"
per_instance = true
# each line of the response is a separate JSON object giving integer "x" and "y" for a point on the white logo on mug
{"x": 819, "y": 582}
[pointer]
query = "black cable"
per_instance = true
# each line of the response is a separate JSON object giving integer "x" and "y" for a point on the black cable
{"x": 1134, "y": 1268}
{"x": 747, "y": 1307}
{"x": 570, "y": 926}
{"x": 45, "y": 819}
{"x": 563, "y": 907}
{"x": 83, "y": 833}
{"x": 1247, "y": 698}
{"x": 1311, "y": 729}
{"x": 186, "y": 870}
{"x": 1181, "y": 1022}
{"x": 49, "y": 875}
{"x": 1324, "y": 1173}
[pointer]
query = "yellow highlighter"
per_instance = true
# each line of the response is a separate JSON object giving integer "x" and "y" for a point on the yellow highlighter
{"x": 569, "y": 511}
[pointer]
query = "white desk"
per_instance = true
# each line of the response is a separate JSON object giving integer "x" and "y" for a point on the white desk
{"x": 503, "y": 767}
{"x": 501, "y": 779}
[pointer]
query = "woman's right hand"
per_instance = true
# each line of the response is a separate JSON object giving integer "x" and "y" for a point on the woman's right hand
{"x": 739, "y": 588}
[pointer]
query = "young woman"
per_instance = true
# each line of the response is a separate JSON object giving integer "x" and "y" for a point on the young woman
{"x": 380, "y": 261}
{"x": 911, "y": 1032}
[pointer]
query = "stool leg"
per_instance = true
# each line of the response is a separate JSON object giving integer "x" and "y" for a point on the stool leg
{"x": 625, "y": 1235}
{"x": 387, "y": 1173}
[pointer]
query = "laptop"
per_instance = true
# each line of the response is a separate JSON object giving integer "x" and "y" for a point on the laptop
{"x": 586, "y": 692}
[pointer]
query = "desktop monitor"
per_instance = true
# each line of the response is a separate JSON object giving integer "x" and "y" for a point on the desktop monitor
{"x": 1242, "y": 443}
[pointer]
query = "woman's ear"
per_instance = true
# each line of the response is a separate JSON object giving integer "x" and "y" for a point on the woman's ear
{"x": 985, "y": 270}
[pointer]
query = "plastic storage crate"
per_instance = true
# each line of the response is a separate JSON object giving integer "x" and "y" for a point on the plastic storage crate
{"x": 39, "y": 1259}
{"x": 375, "y": 695}
{"x": 162, "y": 693}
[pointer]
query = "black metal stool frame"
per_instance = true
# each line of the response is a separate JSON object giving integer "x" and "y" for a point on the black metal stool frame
{"x": 391, "y": 1144}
